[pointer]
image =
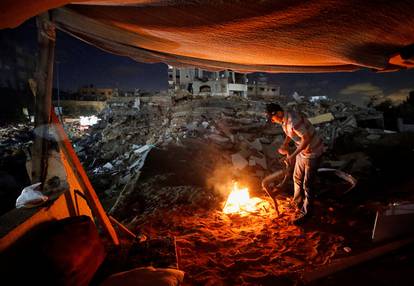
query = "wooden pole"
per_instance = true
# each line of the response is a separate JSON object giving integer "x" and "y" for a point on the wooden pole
{"x": 43, "y": 100}
{"x": 90, "y": 194}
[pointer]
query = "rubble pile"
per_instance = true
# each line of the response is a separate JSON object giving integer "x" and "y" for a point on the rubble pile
{"x": 335, "y": 119}
{"x": 114, "y": 150}
{"x": 15, "y": 142}
{"x": 16, "y": 137}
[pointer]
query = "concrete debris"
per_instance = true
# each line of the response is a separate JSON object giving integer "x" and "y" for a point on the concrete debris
{"x": 108, "y": 166}
{"x": 297, "y": 97}
{"x": 239, "y": 162}
{"x": 373, "y": 137}
{"x": 253, "y": 161}
{"x": 238, "y": 126}
{"x": 218, "y": 138}
{"x": 205, "y": 124}
{"x": 326, "y": 117}
{"x": 256, "y": 144}
{"x": 142, "y": 149}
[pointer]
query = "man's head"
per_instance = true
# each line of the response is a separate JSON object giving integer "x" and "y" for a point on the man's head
{"x": 275, "y": 112}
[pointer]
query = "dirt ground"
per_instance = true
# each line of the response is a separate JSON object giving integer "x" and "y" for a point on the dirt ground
{"x": 182, "y": 200}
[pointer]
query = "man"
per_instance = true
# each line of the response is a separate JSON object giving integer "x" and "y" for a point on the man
{"x": 309, "y": 148}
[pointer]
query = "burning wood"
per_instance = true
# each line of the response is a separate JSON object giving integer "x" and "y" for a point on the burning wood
{"x": 239, "y": 202}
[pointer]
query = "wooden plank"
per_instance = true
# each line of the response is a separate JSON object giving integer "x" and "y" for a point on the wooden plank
{"x": 90, "y": 194}
{"x": 345, "y": 263}
{"x": 122, "y": 228}
{"x": 43, "y": 100}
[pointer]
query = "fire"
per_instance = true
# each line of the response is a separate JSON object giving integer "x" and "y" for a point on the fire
{"x": 239, "y": 202}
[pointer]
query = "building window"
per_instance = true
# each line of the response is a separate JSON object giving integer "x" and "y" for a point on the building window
{"x": 262, "y": 89}
{"x": 205, "y": 88}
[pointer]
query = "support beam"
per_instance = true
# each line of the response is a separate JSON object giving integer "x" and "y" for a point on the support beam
{"x": 43, "y": 100}
{"x": 93, "y": 201}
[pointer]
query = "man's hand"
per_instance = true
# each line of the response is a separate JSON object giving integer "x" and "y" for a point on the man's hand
{"x": 290, "y": 160}
{"x": 283, "y": 151}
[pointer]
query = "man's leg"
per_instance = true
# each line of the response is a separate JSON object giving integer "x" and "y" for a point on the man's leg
{"x": 298, "y": 175}
{"x": 311, "y": 167}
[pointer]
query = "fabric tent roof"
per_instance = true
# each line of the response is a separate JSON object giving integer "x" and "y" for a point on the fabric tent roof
{"x": 250, "y": 35}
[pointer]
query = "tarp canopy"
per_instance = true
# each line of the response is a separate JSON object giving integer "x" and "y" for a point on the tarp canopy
{"x": 250, "y": 35}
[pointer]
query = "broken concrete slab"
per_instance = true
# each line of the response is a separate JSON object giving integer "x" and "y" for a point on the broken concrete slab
{"x": 373, "y": 137}
{"x": 323, "y": 118}
{"x": 218, "y": 138}
{"x": 108, "y": 166}
{"x": 254, "y": 160}
{"x": 239, "y": 162}
{"x": 256, "y": 144}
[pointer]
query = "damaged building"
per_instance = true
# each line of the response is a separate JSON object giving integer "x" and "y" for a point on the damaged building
{"x": 205, "y": 83}
{"x": 225, "y": 83}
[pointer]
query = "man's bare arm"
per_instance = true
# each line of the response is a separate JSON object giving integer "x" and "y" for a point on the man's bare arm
{"x": 304, "y": 142}
{"x": 284, "y": 150}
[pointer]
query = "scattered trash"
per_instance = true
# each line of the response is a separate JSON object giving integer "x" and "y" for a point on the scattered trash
{"x": 347, "y": 249}
{"x": 31, "y": 197}
{"x": 88, "y": 120}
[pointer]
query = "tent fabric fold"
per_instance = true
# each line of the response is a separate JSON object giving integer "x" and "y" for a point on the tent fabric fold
{"x": 269, "y": 36}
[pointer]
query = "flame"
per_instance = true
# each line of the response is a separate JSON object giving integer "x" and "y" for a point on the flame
{"x": 239, "y": 201}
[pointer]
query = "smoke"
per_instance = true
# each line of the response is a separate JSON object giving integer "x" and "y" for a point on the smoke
{"x": 221, "y": 179}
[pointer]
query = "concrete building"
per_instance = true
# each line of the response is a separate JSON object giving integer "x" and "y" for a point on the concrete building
{"x": 261, "y": 89}
{"x": 223, "y": 83}
{"x": 206, "y": 83}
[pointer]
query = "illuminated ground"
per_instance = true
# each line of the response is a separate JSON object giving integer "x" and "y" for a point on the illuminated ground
{"x": 219, "y": 249}
{"x": 170, "y": 199}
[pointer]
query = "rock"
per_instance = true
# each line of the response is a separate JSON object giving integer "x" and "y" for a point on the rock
{"x": 256, "y": 145}
{"x": 108, "y": 166}
{"x": 205, "y": 124}
{"x": 258, "y": 161}
{"x": 239, "y": 162}
{"x": 218, "y": 138}
{"x": 373, "y": 137}
{"x": 142, "y": 149}
{"x": 265, "y": 140}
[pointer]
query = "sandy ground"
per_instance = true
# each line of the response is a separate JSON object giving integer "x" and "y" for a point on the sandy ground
{"x": 219, "y": 249}
{"x": 257, "y": 249}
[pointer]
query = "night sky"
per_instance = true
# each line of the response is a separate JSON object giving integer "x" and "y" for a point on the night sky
{"x": 81, "y": 64}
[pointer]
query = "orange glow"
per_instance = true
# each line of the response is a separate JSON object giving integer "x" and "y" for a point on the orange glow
{"x": 239, "y": 202}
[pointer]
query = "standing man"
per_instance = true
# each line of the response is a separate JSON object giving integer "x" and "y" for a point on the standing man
{"x": 309, "y": 148}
